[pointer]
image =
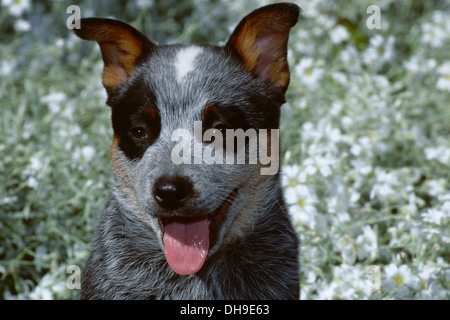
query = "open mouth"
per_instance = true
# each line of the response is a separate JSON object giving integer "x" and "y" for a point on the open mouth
{"x": 188, "y": 240}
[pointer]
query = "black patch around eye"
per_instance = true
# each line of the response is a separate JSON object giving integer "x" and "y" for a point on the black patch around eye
{"x": 141, "y": 133}
{"x": 222, "y": 118}
{"x": 137, "y": 128}
{"x": 136, "y": 119}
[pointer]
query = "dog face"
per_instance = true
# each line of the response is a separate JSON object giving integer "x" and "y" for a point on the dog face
{"x": 198, "y": 90}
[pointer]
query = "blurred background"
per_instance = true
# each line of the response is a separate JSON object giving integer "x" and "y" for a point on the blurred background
{"x": 365, "y": 140}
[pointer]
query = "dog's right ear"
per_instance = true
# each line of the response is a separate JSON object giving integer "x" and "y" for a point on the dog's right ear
{"x": 121, "y": 46}
{"x": 261, "y": 41}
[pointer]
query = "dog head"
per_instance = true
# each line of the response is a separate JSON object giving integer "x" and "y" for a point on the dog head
{"x": 166, "y": 100}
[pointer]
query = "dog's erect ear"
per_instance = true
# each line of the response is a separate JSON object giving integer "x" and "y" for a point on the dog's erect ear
{"x": 261, "y": 41}
{"x": 121, "y": 47}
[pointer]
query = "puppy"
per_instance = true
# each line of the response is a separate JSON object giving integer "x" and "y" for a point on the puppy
{"x": 195, "y": 212}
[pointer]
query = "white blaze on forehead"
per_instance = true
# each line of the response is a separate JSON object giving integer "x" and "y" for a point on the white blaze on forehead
{"x": 185, "y": 61}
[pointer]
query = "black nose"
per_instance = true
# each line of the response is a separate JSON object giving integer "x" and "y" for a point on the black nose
{"x": 172, "y": 192}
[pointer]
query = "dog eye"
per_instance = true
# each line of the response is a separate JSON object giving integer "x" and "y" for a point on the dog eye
{"x": 139, "y": 133}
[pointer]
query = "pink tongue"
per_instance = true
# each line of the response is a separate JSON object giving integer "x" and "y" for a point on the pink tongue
{"x": 186, "y": 244}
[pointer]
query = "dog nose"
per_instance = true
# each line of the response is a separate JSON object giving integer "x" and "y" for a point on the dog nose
{"x": 171, "y": 192}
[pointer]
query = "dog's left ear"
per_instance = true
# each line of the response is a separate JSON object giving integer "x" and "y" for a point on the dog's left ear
{"x": 261, "y": 41}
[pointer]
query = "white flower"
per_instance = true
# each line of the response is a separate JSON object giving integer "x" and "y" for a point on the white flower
{"x": 436, "y": 187}
{"x": 351, "y": 282}
{"x": 17, "y": 7}
{"x": 34, "y": 171}
{"x": 399, "y": 279}
{"x": 433, "y": 35}
{"x": 344, "y": 244}
{"x": 446, "y": 207}
{"x": 48, "y": 286}
{"x": 302, "y": 205}
{"x": 32, "y": 183}
{"x": 309, "y": 132}
{"x": 85, "y": 154}
{"x": 435, "y": 216}
{"x": 7, "y": 67}
{"x": 329, "y": 132}
{"x": 308, "y": 74}
{"x": 418, "y": 64}
{"x": 41, "y": 293}
{"x": 362, "y": 167}
{"x": 144, "y": 4}
{"x": 440, "y": 153}
{"x": 22, "y": 25}
{"x": 339, "y": 34}
{"x": 36, "y": 163}
{"x": 302, "y": 40}
{"x": 348, "y": 253}
{"x": 425, "y": 275}
{"x": 320, "y": 164}
{"x": 338, "y": 206}
{"x": 340, "y": 77}
{"x": 399, "y": 234}
{"x": 290, "y": 176}
{"x": 366, "y": 243}
{"x": 384, "y": 184}
{"x": 443, "y": 82}
{"x": 362, "y": 147}
{"x": 328, "y": 292}
{"x": 56, "y": 103}
{"x": 349, "y": 54}
{"x": 8, "y": 200}
{"x": 379, "y": 51}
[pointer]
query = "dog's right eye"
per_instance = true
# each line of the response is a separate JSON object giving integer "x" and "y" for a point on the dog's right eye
{"x": 139, "y": 133}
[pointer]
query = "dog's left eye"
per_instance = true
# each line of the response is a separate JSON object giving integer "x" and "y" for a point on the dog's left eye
{"x": 139, "y": 133}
